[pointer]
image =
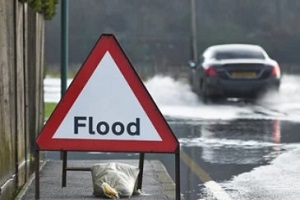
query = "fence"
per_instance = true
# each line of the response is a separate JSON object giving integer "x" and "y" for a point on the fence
{"x": 21, "y": 100}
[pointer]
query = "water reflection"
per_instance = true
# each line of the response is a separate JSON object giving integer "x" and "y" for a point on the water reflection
{"x": 224, "y": 149}
{"x": 236, "y": 142}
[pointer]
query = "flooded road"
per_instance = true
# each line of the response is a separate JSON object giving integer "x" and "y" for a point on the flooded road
{"x": 231, "y": 149}
{"x": 228, "y": 150}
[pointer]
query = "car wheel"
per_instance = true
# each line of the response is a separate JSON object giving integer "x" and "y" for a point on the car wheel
{"x": 206, "y": 99}
{"x": 200, "y": 88}
{"x": 211, "y": 99}
{"x": 202, "y": 92}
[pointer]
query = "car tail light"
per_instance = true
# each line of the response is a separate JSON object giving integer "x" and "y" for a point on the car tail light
{"x": 276, "y": 71}
{"x": 211, "y": 71}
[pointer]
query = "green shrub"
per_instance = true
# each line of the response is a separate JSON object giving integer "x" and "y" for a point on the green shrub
{"x": 45, "y": 7}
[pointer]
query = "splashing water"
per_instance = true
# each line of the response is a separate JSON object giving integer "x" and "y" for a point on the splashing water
{"x": 175, "y": 99}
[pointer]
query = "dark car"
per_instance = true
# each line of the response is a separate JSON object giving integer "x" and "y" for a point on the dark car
{"x": 234, "y": 70}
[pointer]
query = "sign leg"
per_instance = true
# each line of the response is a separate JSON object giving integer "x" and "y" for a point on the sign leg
{"x": 141, "y": 167}
{"x": 64, "y": 168}
{"x": 177, "y": 175}
{"x": 37, "y": 174}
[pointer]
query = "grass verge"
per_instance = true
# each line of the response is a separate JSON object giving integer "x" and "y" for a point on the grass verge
{"x": 49, "y": 107}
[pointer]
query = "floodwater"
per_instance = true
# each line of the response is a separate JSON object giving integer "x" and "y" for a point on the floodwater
{"x": 175, "y": 99}
{"x": 229, "y": 150}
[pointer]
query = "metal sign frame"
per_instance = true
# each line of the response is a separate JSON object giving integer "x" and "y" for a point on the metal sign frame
{"x": 139, "y": 181}
{"x": 169, "y": 143}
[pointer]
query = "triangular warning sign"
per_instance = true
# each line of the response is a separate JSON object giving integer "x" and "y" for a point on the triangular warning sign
{"x": 107, "y": 108}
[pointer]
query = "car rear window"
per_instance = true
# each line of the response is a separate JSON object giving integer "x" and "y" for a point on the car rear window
{"x": 238, "y": 54}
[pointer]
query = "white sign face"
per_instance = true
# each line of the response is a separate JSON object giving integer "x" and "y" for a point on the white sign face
{"x": 107, "y": 109}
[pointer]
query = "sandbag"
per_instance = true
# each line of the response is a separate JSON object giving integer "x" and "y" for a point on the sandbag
{"x": 114, "y": 180}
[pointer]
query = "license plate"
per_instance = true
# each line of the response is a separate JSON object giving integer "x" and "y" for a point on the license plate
{"x": 243, "y": 74}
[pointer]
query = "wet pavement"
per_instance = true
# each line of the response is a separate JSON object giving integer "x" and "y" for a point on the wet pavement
{"x": 157, "y": 184}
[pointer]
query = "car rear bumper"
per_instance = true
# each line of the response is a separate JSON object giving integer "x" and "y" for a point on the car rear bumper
{"x": 239, "y": 88}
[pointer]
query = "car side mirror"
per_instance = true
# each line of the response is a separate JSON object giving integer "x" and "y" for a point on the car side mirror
{"x": 192, "y": 64}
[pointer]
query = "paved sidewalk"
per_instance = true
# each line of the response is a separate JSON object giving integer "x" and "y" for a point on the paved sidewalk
{"x": 157, "y": 184}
